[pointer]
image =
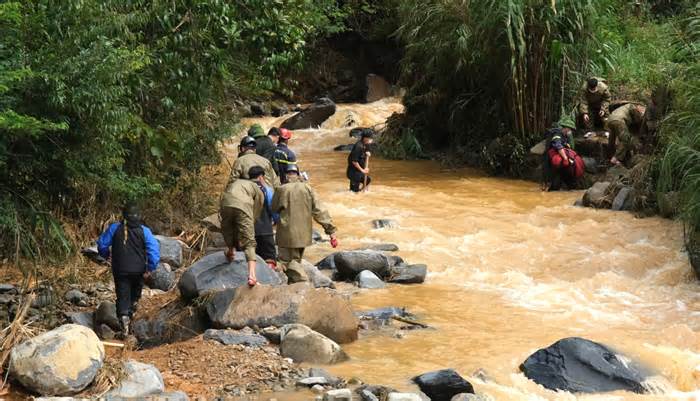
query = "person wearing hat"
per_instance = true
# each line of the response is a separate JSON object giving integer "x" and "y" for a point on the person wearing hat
{"x": 357, "y": 170}
{"x": 134, "y": 253}
{"x": 284, "y": 157}
{"x": 298, "y": 206}
{"x": 594, "y": 104}
{"x": 267, "y": 144}
{"x": 241, "y": 204}
{"x": 561, "y": 164}
{"x": 623, "y": 122}
{"x": 247, "y": 158}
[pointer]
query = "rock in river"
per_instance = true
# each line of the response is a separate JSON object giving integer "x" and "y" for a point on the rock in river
{"x": 349, "y": 264}
{"x": 214, "y": 272}
{"x": 579, "y": 365}
{"x": 596, "y": 196}
{"x": 321, "y": 309}
{"x": 367, "y": 279}
{"x": 311, "y": 117}
{"x": 442, "y": 385}
{"x": 302, "y": 344}
{"x": 413, "y": 274}
{"x": 62, "y": 361}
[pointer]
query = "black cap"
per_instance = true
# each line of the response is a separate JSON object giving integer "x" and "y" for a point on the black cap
{"x": 367, "y": 133}
{"x": 248, "y": 142}
{"x": 592, "y": 83}
{"x": 274, "y": 131}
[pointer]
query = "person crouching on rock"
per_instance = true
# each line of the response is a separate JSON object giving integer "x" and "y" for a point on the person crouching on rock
{"x": 297, "y": 205}
{"x": 135, "y": 253}
{"x": 241, "y": 204}
{"x": 358, "y": 170}
{"x": 561, "y": 163}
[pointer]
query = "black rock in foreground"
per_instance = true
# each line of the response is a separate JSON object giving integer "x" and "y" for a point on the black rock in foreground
{"x": 442, "y": 385}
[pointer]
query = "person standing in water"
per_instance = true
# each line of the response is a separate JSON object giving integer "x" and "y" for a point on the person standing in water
{"x": 298, "y": 206}
{"x": 358, "y": 171}
{"x": 241, "y": 204}
{"x": 134, "y": 253}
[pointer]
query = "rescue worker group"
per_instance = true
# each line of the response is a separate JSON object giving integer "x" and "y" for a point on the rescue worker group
{"x": 267, "y": 190}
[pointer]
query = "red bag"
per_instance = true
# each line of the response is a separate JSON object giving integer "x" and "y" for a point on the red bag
{"x": 556, "y": 161}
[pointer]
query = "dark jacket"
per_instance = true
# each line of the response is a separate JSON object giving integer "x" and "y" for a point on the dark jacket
{"x": 134, "y": 249}
{"x": 284, "y": 157}
{"x": 263, "y": 224}
{"x": 357, "y": 154}
{"x": 266, "y": 148}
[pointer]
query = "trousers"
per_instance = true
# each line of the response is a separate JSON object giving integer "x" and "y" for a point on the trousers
{"x": 128, "y": 288}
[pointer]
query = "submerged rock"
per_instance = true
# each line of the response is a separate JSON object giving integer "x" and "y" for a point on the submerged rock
{"x": 312, "y": 117}
{"x": 349, "y": 264}
{"x": 383, "y": 223}
{"x": 321, "y": 309}
{"x": 442, "y": 385}
{"x": 214, "y": 272}
{"x": 62, "y": 361}
{"x": 579, "y": 365}
{"x": 302, "y": 344}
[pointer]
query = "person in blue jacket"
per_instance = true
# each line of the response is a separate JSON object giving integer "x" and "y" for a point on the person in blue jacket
{"x": 135, "y": 253}
{"x": 264, "y": 233}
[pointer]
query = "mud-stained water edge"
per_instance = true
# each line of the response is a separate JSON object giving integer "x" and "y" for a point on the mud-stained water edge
{"x": 512, "y": 269}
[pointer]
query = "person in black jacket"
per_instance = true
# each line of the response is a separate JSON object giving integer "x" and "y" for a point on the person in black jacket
{"x": 267, "y": 144}
{"x": 357, "y": 171}
{"x": 135, "y": 253}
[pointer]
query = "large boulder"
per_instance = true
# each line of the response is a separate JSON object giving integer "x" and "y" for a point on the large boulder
{"x": 327, "y": 263}
{"x": 597, "y": 195}
{"x": 349, "y": 264}
{"x": 442, "y": 385}
{"x": 163, "y": 278}
{"x": 106, "y": 313}
{"x": 62, "y": 361}
{"x": 369, "y": 280}
{"x": 170, "y": 251}
{"x": 579, "y": 365}
{"x": 312, "y": 117}
{"x": 141, "y": 380}
{"x": 321, "y": 309}
{"x": 302, "y": 344}
{"x": 413, "y": 274}
{"x": 214, "y": 272}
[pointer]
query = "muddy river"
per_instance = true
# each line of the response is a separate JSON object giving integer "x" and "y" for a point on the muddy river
{"x": 512, "y": 269}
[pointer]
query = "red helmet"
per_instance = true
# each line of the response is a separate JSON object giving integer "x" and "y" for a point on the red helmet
{"x": 285, "y": 134}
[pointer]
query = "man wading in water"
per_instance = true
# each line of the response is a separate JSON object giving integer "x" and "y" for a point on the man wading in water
{"x": 297, "y": 205}
{"x": 358, "y": 170}
{"x": 241, "y": 204}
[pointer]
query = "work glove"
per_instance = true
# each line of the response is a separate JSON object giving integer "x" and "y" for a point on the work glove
{"x": 334, "y": 242}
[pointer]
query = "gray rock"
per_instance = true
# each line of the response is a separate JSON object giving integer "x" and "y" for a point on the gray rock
{"x": 596, "y": 195}
{"x": 233, "y": 337}
{"x": 105, "y": 332}
{"x": 76, "y": 298}
{"x": 212, "y": 223}
{"x": 319, "y": 372}
{"x": 327, "y": 263}
{"x": 616, "y": 173}
{"x": 162, "y": 278}
{"x": 338, "y": 395}
{"x": 318, "y": 279}
{"x": 381, "y": 248}
{"x": 386, "y": 313}
{"x": 395, "y": 260}
{"x": 44, "y": 297}
{"x": 106, "y": 313}
{"x": 176, "y": 321}
{"x": 581, "y": 366}
{"x": 6, "y": 299}
{"x": 578, "y": 202}
{"x": 170, "y": 251}
{"x": 622, "y": 200}
{"x": 8, "y": 289}
{"x": 278, "y": 111}
{"x": 312, "y": 117}
{"x": 591, "y": 165}
{"x": 367, "y": 395}
{"x": 302, "y": 344}
{"x": 442, "y": 385}
{"x": 141, "y": 380}
{"x": 214, "y": 272}
{"x": 350, "y": 264}
{"x": 366, "y": 392}
{"x": 63, "y": 361}
{"x": 312, "y": 381}
{"x": 471, "y": 397}
{"x": 86, "y": 319}
{"x": 369, "y": 280}
{"x": 413, "y": 274}
{"x": 383, "y": 223}
{"x": 404, "y": 397}
{"x": 321, "y": 309}
{"x": 257, "y": 109}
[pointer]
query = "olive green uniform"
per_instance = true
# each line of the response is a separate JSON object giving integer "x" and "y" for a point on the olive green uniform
{"x": 249, "y": 159}
{"x": 592, "y": 103}
{"x": 621, "y": 140}
{"x": 241, "y": 204}
{"x": 297, "y": 206}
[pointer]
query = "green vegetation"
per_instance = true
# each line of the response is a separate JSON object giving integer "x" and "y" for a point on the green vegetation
{"x": 102, "y": 100}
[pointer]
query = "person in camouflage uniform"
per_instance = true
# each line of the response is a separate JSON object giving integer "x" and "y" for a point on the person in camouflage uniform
{"x": 624, "y": 124}
{"x": 297, "y": 205}
{"x": 241, "y": 204}
{"x": 247, "y": 158}
{"x": 594, "y": 104}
